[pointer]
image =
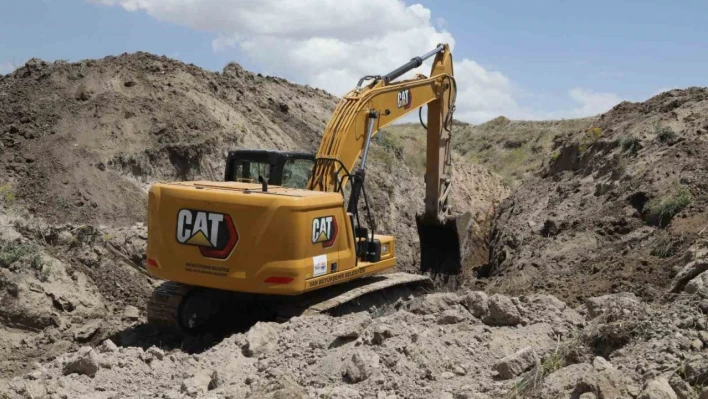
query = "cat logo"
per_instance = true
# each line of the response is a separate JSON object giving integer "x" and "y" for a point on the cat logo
{"x": 324, "y": 230}
{"x": 405, "y": 99}
{"x": 214, "y": 233}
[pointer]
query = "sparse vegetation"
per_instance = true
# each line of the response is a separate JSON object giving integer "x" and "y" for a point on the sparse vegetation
{"x": 7, "y": 194}
{"x": 11, "y": 255}
{"x": 632, "y": 145}
{"x": 664, "y": 250}
{"x": 514, "y": 150}
{"x": 664, "y": 134}
{"x": 660, "y": 211}
{"x": 592, "y": 135}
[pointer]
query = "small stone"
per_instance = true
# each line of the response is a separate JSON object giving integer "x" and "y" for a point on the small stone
{"x": 697, "y": 345}
{"x": 108, "y": 347}
{"x": 588, "y": 395}
{"x": 343, "y": 392}
{"x": 658, "y": 389}
{"x": 131, "y": 313}
{"x": 477, "y": 302}
{"x": 502, "y": 312}
{"x": 601, "y": 364}
{"x": 353, "y": 326}
{"x": 156, "y": 352}
{"x": 452, "y": 316}
{"x": 262, "y": 338}
{"x": 362, "y": 365}
{"x": 434, "y": 303}
{"x": 515, "y": 364}
{"x": 447, "y": 375}
{"x": 380, "y": 334}
{"x": 196, "y": 385}
{"x": 85, "y": 362}
{"x": 86, "y": 332}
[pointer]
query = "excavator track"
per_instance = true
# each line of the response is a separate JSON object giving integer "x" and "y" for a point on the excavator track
{"x": 164, "y": 304}
{"x": 184, "y": 308}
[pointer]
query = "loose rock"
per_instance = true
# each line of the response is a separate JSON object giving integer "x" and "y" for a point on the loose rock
{"x": 362, "y": 365}
{"x": 86, "y": 362}
{"x": 515, "y": 364}
{"x": 261, "y": 339}
{"x": 502, "y": 312}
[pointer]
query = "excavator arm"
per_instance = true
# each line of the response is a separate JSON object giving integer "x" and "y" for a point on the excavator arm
{"x": 363, "y": 112}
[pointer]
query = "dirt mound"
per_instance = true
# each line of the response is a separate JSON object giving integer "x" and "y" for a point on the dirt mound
{"x": 429, "y": 346}
{"x": 614, "y": 208}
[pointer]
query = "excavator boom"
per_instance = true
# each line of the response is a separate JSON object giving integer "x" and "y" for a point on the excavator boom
{"x": 363, "y": 112}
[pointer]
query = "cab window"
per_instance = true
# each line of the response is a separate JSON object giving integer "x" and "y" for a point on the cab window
{"x": 248, "y": 171}
{"x": 296, "y": 173}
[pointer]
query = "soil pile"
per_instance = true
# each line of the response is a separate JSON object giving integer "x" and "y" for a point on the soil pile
{"x": 615, "y": 207}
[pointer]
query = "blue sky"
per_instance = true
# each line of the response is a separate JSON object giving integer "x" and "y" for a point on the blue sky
{"x": 524, "y": 59}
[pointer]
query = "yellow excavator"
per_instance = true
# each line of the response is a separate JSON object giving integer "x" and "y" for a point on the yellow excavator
{"x": 279, "y": 225}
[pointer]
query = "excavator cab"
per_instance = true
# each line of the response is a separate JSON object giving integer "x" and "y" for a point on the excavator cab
{"x": 280, "y": 168}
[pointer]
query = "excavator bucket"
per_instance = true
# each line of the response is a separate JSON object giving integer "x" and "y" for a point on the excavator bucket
{"x": 443, "y": 244}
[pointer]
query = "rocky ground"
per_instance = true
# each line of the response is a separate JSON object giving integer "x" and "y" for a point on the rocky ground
{"x": 589, "y": 278}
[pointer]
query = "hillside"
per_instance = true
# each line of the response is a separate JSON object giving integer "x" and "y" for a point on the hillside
{"x": 514, "y": 150}
{"x": 615, "y": 209}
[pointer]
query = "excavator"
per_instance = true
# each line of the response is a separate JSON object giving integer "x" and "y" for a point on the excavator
{"x": 279, "y": 228}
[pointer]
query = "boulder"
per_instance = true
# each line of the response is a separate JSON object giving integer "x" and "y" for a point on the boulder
{"x": 477, "y": 302}
{"x": 86, "y": 362}
{"x": 688, "y": 273}
{"x": 515, "y": 364}
{"x": 658, "y": 389}
{"x": 698, "y": 286}
{"x": 599, "y": 305}
{"x": 502, "y": 312}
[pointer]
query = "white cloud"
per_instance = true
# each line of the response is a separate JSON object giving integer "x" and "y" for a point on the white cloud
{"x": 6, "y": 67}
{"x": 331, "y": 44}
{"x": 592, "y": 103}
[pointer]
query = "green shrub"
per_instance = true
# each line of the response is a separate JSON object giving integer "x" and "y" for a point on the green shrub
{"x": 7, "y": 194}
{"x": 664, "y": 134}
{"x": 592, "y": 135}
{"x": 11, "y": 253}
{"x": 660, "y": 211}
{"x": 631, "y": 145}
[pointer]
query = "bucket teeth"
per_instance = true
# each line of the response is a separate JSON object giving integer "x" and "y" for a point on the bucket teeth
{"x": 443, "y": 244}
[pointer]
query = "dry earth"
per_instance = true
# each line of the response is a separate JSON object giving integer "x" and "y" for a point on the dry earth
{"x": 594, "y": 288}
